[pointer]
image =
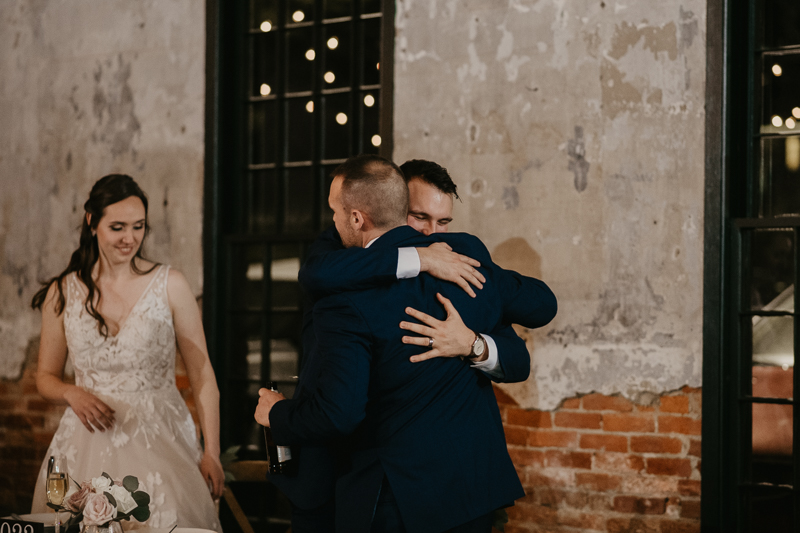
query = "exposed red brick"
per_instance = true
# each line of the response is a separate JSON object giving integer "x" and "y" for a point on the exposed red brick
{"x": 611, "y": 443}
{"x": 537, "y": 514}
{"x": 557, "y": 458}
{"x": 523, "y": 417}
{"x": 578, "y": 420}
{"x": 588, "y": 501}
{"x": 618, "y": 462}
{"x": 598, "y": 482}
{"x": 679, "y": 424}
{"x": 516, "y": 435}
{"x": 680, "y": 526}
{"x": 558, "y": 478}
{"x": 628, "y": 423}
{"x": 675, "y": 404}
{"x": 637, "y": 505}
{"x": 690, "y": 508}
{"x": 502, "y": 397}
{"x": 526, "y": 457}
{"x": 582, "y": 521}
{"x": 546, "y": 438}
{"x": 689, "y": 487}
{"x": 695, "y": 448}
{"x": 655, "y": 444}
{"x": 645, "y": 408}
{"x": 600, "y": 402}
{"x": 652, "y": 486}
{"x": 550, "y": 497}
{"x": 631, "y": 525}
{"x": 669, "y": 466}
{"x": 571, "y": 403}
{"x": 513, "y": 528}
{"x": 8, "y": 404}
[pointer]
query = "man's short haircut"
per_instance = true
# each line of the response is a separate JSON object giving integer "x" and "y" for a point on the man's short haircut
{"x": 431, "y": 173}
{"x": 374, "y": 186}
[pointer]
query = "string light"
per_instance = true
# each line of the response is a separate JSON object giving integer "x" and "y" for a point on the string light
{"x": 790, "y": 123}
{"x": 333, "y": 43}
{"x": 376, "y": 140}
{"x": 796, "y": 112}
{"x": 298, "y": 16}
{"x": 777, "y": 70}
{"x": 329, "y": 77}
{"x": 341, "y": 118}
{"x": 310, "y": 106}
{"x": 310, "y": 54}
{"x": 265, "y": 89}
{"x": 266, "y": 26}
{"x": 777, "y": 121}
{"x": 369, "y": 100}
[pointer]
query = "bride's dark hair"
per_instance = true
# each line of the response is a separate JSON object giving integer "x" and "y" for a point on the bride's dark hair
{"x": 108, "y": 190}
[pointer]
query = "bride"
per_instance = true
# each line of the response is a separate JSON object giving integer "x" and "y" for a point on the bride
{"x": 118, "y": 317}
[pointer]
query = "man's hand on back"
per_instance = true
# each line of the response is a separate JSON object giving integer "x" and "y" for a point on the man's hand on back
{"x": 440, "y": 261}
{"x": 451, "y": 337}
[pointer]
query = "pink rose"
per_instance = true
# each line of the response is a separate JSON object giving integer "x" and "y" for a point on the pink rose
{"x": 77, "y": 500}
{"x": 98, "y": 510}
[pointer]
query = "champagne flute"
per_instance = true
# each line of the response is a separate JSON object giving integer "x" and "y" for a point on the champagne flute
{"x": 57, "y": 484}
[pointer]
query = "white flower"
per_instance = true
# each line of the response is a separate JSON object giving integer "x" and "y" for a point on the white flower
{"x": 101, "y": 484}
{"x": 98, "y": 510}
{"x": 125, "y": 501}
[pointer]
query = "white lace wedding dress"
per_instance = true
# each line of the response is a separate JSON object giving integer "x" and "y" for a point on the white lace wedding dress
{"x": 154, "y": 437}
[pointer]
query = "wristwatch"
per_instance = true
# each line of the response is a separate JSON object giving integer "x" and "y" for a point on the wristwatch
{"x": 478, "y": 347}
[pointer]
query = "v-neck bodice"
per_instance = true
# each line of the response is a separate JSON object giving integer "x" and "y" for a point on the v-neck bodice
{"x": 141, "y": 356}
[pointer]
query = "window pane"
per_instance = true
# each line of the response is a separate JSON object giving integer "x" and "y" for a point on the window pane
{"x": 337, "y": 131}
{"x": 773, "y": 356}
{"x": 771, "y": 269}
{"x": 326, "y": 213}
{"x": 338, "y": 8}
{"x": 299, "y": 11}
{"x": 371, "y": 74}
{"x": 287, "y": 326}
{"x": 246, "y": 348}
{"x": 780, "y": 176}
{"x": 247, "y": 281}
{"x": 300, "y": 124}
{"x": 264, "y": 200}
{"x": 263, "y": 136}
{"x": 337, "y": 49}
{"x": 283, "y": 362}
{"x": 770, "y": 510}
{"x": 772, "y": 444}
{"x": 244, "y": 430}
{"x": 370, "y": 125}
{"x": 284, "y": 270}
{"x": 262, "y": 11}
{"x": 780, "y": 100}
{"x": 780, "y": 20}
{"x": 264, "y": 73}
{"x": 299, "y": 200}
{"x": 299, "y": 68}
{"x": 371, "y": 6}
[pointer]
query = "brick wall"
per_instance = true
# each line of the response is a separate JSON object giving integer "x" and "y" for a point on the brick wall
{"x": 603, "y": 463}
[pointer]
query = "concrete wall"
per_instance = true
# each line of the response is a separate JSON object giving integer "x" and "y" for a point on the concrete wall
{"x": 89, "y": 88}
{"x": 574, "y": 129}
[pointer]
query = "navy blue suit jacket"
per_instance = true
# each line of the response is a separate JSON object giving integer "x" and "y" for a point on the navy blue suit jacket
{"x": 432, "y": 428}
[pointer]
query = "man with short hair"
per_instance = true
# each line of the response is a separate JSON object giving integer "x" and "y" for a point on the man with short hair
{"x": 429, "y": 448}
{"x": 431, "y": 195}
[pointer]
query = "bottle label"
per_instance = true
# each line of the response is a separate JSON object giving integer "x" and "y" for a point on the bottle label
{"x": 284, "y": 454}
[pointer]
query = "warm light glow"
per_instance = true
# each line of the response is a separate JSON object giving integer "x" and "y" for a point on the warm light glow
{"x": 376, "y": 140}
{"x": 793, "y": 153}
{"x": 369, "y": 100}
{"x": 377, "y": 66}
{"x": 777, "y": 70}
{"x": 298, "y": 16}
{"x": 341, "y": 118}
{"x": 790, "y": 123}
{"x": 265, "y": 89}
{"x": 329, "y": 77}
{"x": 796, "y": 112}
{"x": 310, "y": 54}
{"x": 777, "y": 121}
{"x": 266, "y": 26}
{"x": 333, "y": 42}
{"x": 310, "y": 106}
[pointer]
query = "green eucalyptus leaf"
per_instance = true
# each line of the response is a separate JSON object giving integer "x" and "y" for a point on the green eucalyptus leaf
{"x": 131, "y": 483}
{"x": 107, "y": 476}
{"x": 141, "y": 498}
{"x": 141, "y": 513}
{"x": 54, "y": 506}
{"x": 110, "y": 498}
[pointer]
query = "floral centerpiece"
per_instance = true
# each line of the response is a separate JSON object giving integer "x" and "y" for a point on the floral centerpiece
{"x": 103, "y": 501}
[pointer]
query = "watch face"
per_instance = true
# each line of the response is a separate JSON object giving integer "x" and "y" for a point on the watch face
{"x": 480, "y": 346}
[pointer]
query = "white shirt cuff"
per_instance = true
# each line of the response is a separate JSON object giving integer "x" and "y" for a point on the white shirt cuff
{"x": 408, "y": 264}
{"x": 492, "y": 364}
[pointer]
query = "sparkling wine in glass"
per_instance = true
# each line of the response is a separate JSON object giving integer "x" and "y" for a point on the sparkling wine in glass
{"x": 57, "y": 484}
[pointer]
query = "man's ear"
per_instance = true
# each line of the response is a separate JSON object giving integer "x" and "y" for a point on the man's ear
{"x": 357, "y": 219}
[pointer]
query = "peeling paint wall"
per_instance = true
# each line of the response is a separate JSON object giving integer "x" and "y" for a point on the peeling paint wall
{"x": 574, "y": 129}
{"x": 89, "y": 88}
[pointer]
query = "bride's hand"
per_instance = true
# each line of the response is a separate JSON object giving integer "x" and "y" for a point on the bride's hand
{"x": 92, "y": 412}
{"x": 212, "y": 472}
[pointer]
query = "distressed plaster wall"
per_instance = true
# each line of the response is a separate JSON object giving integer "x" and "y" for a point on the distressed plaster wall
{"x": 86, "y": 89}
{"x": 574, "y": 129}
